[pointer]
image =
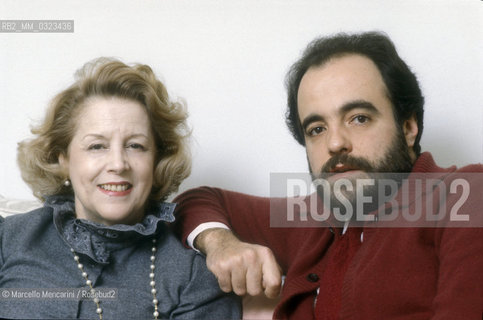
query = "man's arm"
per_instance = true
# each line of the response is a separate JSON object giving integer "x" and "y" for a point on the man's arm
{"x": 239, "y": 266}
{"x": 460, "y": 278}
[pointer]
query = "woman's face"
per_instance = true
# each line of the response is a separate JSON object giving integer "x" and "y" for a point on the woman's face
{"x": 110, "y": 161}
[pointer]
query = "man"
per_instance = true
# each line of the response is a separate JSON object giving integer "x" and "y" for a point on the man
{"x": 358, "y": 110}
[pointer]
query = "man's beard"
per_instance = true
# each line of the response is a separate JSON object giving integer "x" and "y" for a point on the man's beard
{"x": 395, "y": 164}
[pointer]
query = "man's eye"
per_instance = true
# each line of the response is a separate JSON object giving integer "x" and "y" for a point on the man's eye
{"x": 360, "y": 119}
{"x": 315, "y": 131}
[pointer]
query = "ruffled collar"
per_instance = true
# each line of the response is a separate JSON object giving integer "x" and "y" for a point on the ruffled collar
{"x": 97, "y": 240}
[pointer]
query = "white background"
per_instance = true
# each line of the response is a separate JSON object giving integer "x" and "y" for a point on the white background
{"x": 228, "y": 59}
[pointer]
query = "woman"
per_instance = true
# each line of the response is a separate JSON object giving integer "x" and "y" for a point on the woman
{"x": 111, "y": 149}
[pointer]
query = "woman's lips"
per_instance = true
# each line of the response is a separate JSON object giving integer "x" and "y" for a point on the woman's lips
{"x": 115, "y": 188}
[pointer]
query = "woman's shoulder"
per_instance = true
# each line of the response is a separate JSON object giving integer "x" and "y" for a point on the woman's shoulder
{"x": 184, "y": 264}
{"x": 178, "y": 256}
{"x": 18, "y": 230}
{"x": 24, "y": 222}
{"x": 171, "y": 246}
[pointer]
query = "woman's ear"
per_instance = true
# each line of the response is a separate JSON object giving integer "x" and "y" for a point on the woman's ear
{"x": 64, "y": 164}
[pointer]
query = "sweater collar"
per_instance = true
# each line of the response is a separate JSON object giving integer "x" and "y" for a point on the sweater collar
{"x": 425, "y": 164}
{"x": 97, "y": 240}
{"x": 429, "y": 174}
{"x": 423, "y": 168}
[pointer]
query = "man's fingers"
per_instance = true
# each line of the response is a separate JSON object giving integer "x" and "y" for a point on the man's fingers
{"x": 225, "y": 284}
{"x": 272, "y": 284}
{"x": 238, "y": 281}
{"x": 254, "y": 280}
{"x": 223, "y": 277}
{"x": 230, "y": 271}
{"x": 272, "y": 275}
{"x": 222, "y": 270}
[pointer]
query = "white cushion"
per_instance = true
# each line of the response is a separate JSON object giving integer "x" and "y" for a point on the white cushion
{"x": 14, "y": 206}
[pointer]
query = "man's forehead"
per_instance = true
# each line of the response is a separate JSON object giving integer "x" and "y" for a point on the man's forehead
{"x": 340, "y": 80}
{"x": 346, "y": 68}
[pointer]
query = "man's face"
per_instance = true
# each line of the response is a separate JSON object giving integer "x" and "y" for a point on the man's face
{"x": 348, "y": 121}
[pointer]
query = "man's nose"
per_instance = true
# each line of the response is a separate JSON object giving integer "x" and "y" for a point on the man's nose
{"x": 338, "y": 141}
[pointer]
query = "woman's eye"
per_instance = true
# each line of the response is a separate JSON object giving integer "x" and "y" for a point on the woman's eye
{"x": 315, "y": 131}
{"x": 136, "y": 146}
{"x": 96, "y": 146}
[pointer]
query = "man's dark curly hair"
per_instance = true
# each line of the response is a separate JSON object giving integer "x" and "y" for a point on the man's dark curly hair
{"x": 402, "y": 85}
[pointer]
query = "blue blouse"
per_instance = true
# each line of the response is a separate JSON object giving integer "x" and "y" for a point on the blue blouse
{"x": 38, "y": 272}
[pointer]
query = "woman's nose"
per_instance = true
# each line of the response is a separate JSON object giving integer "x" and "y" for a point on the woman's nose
{"x": 117, "y": 161}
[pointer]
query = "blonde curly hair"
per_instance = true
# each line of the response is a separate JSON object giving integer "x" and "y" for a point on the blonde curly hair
{"x": 38, "y": 158}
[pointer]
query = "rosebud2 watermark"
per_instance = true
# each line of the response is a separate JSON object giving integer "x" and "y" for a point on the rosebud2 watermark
{"x": 377, "y": 200}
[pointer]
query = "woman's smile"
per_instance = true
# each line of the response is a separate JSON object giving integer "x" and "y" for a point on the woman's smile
{"x": 116, "y": 188}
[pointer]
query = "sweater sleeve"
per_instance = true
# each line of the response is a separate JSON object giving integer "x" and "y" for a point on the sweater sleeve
{"x": 460, "y": 279}
{"x": 248, "y": 216}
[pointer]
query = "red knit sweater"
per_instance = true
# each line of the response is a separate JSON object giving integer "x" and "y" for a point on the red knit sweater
{"x": 392, "y": 273}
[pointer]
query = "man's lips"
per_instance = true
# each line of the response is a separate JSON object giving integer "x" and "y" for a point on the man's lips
{"x": 342, "y": 171}
{"x": 340, "y": 168}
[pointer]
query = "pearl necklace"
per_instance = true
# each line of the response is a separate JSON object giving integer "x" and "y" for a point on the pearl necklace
{"x": 96, "y": 300}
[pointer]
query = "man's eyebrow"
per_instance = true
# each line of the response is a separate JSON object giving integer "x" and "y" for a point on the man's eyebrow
{"x": 349, "y": 106}
{"x": 310, "y": 119}
{"x": 359, "y": 104}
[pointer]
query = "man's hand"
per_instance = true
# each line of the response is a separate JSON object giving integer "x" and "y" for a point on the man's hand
{"x": 239, "y": 266}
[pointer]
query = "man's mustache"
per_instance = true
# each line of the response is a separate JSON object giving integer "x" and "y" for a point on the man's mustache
{"x": 344, "y": 162}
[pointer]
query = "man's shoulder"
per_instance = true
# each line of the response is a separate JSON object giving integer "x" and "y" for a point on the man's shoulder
{"x": 473, "y": 173}
{"x": 426, "y": 164}
{"x": 471, "y": 168}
